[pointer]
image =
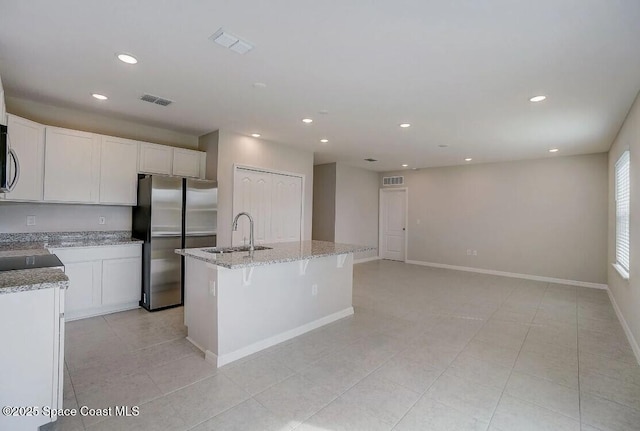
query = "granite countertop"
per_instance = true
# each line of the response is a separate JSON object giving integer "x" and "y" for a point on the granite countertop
{"x": 16, "y": 244}
{"x": 280, "y": 252}
{"x": 29, "y": 244}
{"x": 32, "y": 279}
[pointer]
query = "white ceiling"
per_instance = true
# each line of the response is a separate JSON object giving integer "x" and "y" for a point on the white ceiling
{"x": 461, "y": 72}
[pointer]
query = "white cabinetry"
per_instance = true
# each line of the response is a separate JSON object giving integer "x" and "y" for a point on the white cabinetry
{"x": 188, "y": 163}
{"x": 118, "y": 171}
{"x": 32, "y": 362}
{"x": 180, "y": 162}
{"x": 273, "y": 200}
{"x": 155, "y": 159}
{"x": 118, "y": 277}
{"x": 26, "y": 138}
{"x": 72, "y": 166}
{"x": 101, "y": 279}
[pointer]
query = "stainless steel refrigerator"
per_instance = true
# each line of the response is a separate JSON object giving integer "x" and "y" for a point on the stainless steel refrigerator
{"x": 171, "y": 213}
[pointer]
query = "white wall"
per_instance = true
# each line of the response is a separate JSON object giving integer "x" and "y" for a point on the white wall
{"x": 626, "y": 293}
{"x": 244, "y": 150}
{"x": 91, "y": 122}
{"x": 324, "y": 202}
{"x": 62, "y": 218}
{"x": 357, "y": 192}
{"x": 209, "y": 144}
{"x": 545, "y": 217}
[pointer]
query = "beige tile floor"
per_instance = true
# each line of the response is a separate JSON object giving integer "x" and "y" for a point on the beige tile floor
{"x": 427, "y": 349}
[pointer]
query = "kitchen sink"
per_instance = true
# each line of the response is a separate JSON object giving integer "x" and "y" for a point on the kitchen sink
{"x": 235, "y": 249}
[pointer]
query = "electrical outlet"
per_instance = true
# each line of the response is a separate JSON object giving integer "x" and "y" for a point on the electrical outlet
{"x": 468, "y": 252}
{"x": 475, "y": 252}
{"x": 31, "y": 220}
{"x": 314, "y": 290}
{"x": 101, "y": 220}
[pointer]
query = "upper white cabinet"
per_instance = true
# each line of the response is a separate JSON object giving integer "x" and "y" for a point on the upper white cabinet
{"x": 188, "y": 163}
{"x": 72, "y": 166}
{"x": 26, "y": 138}
{"x": 118, "y": 171}
{"x": 180, "y": 162}
{"x": 155, "y": 159}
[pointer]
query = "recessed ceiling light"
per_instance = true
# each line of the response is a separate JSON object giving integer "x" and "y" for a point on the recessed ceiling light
{"x": 259, "y": 85}
{"x": 99, "y": 96}
{"x": 127, "y": 58}
{"x": 404, "y": 165}
{"x": 324, "y": 141}
{"x": 553, "y": 150}
{"x": 405, "y": 125}
{"x": 307, "y": 120}
{"x": 255, "y": 135}
{"x": 468, "y": 159}
{"x": 537, "y": 98}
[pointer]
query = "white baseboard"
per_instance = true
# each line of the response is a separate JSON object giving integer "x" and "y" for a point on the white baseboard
{"x": 272, "y": 341}
{"x": 632, "y": 340}
{"x": 71, "y": 316}
{"x": 511, "y": 274}
{"x": 366, "y": 259}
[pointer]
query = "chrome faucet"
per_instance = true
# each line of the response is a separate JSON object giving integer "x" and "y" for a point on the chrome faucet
{"x": 235, "y": 228}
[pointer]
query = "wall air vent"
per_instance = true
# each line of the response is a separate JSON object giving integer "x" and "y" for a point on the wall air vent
{"x": 392, "y": 181}
{"x": 155, "y": 99}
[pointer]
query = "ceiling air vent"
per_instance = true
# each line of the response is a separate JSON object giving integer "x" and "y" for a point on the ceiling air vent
{"x": 392, "y": 181}
{"x": 155, "y": 99}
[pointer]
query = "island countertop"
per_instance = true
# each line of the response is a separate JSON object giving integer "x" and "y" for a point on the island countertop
{"x": 279, "y": 253}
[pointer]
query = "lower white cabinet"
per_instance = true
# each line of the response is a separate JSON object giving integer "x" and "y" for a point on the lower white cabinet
{"x": 32, "y": 359}
{"x": 118, "y": 275}
{"x": 102, "y": 280}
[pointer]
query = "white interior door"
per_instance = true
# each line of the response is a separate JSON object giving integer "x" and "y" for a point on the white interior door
{"x": 393, "y": 207}
{"x": 286, "y": 213}
{"x": 252, "y": 194}
{"x": 274, "y": 201}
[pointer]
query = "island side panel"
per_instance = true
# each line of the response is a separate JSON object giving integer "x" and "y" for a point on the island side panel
{"x": 201, "y": 308}
{"x": 277, "y": 302}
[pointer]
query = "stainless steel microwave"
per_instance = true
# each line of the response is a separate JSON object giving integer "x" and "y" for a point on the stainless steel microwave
{"x": 9, "y": 165}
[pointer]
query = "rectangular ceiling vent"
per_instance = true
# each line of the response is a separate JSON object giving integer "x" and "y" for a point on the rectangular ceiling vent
{"x": 155, "y": 99}
{"x": 392, "y": 181}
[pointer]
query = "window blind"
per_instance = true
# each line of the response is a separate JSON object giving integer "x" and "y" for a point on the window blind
{"x": 622, "y": 210}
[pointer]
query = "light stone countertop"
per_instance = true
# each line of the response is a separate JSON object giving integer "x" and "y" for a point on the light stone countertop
{"x": 32, "y": 279}
{"x": 30, "y": 244}
{"x": 24, "y": 244}
{"x": 280, "y": 253}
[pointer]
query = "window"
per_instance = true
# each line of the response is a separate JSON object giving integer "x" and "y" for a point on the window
{"x": 622, "y": 214}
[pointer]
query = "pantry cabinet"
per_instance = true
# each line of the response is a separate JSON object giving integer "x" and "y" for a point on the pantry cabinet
{"x": 71, "y": 166}
{"x": 26, "y": 138}
{"x": 102, "y": 279}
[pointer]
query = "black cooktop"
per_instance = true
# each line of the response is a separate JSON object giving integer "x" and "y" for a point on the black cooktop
{"x": 29, "y": 262}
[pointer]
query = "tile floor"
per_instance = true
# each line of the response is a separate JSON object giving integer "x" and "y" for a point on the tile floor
{"x": 428, "y": 349}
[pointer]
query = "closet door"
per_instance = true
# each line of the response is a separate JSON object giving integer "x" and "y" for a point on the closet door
{"x": 286, "y": 201}
{"x": 252, "y": 194}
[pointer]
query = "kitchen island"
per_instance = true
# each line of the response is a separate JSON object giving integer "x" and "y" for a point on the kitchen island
{"x": 239, "y": 303}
